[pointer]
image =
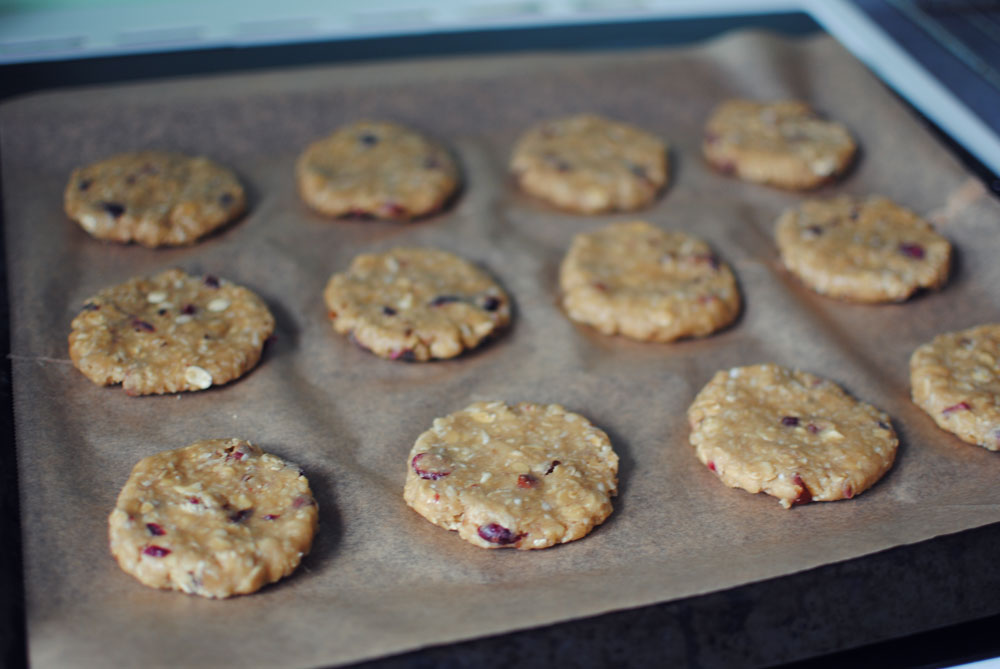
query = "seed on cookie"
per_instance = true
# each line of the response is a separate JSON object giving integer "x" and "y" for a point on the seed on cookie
{"x": 155, "y": 198}
{"x": 864, "y": 250}
{"x": 134, "y": 334}
{"x": 376, "y": 169}
{"x": 790, "y": 434}
{"x": 955, "y": 378}
{"x": 416, "y": 304}
{"x": 784, "y": 144}
{"x": 251, "y": 522}
{"x": 646, "y": 283}
{"x": 590, "y": 164}
{"x": 520, "y": 476}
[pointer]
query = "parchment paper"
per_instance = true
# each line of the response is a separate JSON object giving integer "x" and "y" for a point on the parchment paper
{"x": 381, "y": 579}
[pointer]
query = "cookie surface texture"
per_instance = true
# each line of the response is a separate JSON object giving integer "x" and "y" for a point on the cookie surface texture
{"x": 216, "y": 518}
{"x": 647, "y": 284}
{"x": 865, "y": 250}
{"x": 377, "y": 169}
{"x": 525, "y": 476}
{"x": 169, "y": 333}
{"x": 790, "y": 434}
{"x": 155, "y": 198}
{"x": 589, "y": 164}
{"x": 956, "y": 379}
{"x": 416, "y": 304}
{"x": 784, "y": 144}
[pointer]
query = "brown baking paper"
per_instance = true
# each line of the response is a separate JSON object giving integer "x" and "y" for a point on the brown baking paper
{"x": 381, "y": 579}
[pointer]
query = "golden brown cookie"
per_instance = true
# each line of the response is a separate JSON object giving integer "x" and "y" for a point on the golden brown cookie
{"x": 783, "y": 144}
{"x": 216, "y": 518}
{"x": 524, "y": 476}
{"x": 154, "y": 198}
{"x": 869, "y": 250}
{"x": 416, "y": 304}
{"x": 647, "y": 284}
{"x": 790, "y": 434}
{"x": 956, "y": 379}
{"x": 169, "y": 333}
{"x": 377, "y": 169}
{"x": 589, "y": 164}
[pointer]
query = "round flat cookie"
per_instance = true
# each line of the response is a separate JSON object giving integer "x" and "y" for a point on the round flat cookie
{"x": 647, "y": 284}
{"x": 525, "y": 476}
{"x": 870, "y": 250}
{"x": 376, "y": 169}
{"x": 782, "y": 144}
{"x": 589, "y": 164}
{"x": 956, "y": 379}
{"x": 154, "y": 198}
{"x": 790, "y": 434}
{"x": 217, "y": 518}
{"x": 169, "y": 333}
{"x": 416, "y": 304}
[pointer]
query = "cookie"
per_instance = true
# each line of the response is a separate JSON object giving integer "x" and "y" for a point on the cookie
{"x": 956, "y": 379}
{"x": 416, "y": 304}
{"x": 155, "y": 198}
{"x": 169, "y": 333}
{"x": 524, "y": 476}
{"x": 376, "y": 169}
{"x": 217, "y": 518}
{"x": 647, "y": 284}
{"x": 588, "y": 164}
{"x": 784, "y": 144}
{"x": 790, "y": 434}
{"x": 869, "y": 250}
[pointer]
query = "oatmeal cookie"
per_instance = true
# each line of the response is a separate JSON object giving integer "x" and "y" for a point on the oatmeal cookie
{"x": 217, "y": 518}
{"x": 155, "y": 198}
{"x": 868, "y": 250}
{"x": 956, "y": 379}
{"x": 784, "y": 144}
{"x": 524, "y": 476}
{"x": 377, "y": 169}
{"x": 790, "y": 434}
{"x": 589, "y": 164}
{"x": 416, "y": 304}
{"x": 647, "y": 284}
{"x": 169, "y": 333}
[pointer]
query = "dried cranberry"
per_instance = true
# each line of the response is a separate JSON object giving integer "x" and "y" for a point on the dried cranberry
{"x": 498, "y": 534}
{"x": 272, "y": 516}
{"x": 240, "y": 516}
{"x": 368, "y": 139}
{"x": 790, "y": 421}
{"x": 526, "y": 481}
{"x": 188, "y": 309}
{"x": 428, "y": 472}
{"x": 915, "y": 251}
{"x": 406, "y": 355}
{"x": 141, "y": 325}
{"x": 113, "y": 208}
{"x": 388, "y": 311}
{"x": 711, "y": 465}
{"x": 194, "y": 500}
{"x": 726, "y": 167}
{"x": 711, "y": 137}
{"x": 155, "y": 529}
{"x": 709, "y": 258}
{"x": 848, "y": 490}
{"x": 444, "y": 299}
{"x": 153, "y": 550}
{"x": 805, "y": 495}
{"x": 812, "y": 428}
{"x": 600, "y": 286}
{"x": 211, "y": 281}
{"x": 555, "y": 463}
{"x": 394, "y": 209}
{"x": 883, "y": 425}
{"x": 815, "y": 230}
{"x": 90, "y": 306}
{"x": 491, "y": 303}
{"x": 161, "y": 312}
{"x": 301, "y": 501}
{"x": 961, "y": 406}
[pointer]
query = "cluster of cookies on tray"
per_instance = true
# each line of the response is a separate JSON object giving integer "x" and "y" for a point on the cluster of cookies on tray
{"x": 220, "y": 517}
